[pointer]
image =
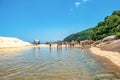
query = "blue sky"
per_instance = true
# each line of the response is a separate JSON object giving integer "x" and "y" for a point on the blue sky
{"x": 51, "y": 20}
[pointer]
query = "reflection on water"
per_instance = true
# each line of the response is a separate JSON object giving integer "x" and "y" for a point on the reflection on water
{"x": 37, "y": 51}
{"x": 54, "y": 64}
{"x": 50, "y": 49}
{"x": 12, "y": 52}
{"x": 59, "y": 50}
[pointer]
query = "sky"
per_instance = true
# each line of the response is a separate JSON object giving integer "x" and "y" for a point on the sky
{"x": 51, "y": 20}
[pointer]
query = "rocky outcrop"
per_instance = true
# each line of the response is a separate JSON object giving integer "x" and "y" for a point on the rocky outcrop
{"x": 112, "y": 46}
{"x": 86, "y": 42}
{"x": 109, "y": 38}
{"x": 12, "y": 42}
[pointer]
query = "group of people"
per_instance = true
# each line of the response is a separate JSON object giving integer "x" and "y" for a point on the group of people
{"x": 73, "y": 43}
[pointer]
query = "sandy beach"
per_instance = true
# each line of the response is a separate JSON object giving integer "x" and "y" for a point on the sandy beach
{"x": 112, "y": 56}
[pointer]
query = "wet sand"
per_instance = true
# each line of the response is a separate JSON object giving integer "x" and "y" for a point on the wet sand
{"x": 112, "y": 56}
{"x": 108, "y": 66}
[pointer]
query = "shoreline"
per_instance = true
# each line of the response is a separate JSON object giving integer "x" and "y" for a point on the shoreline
{"x": 31, "y": 46}
{"x": 112, "y": 56}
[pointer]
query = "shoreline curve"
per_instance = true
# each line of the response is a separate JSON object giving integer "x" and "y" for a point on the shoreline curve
{"x": 112, "y": 56}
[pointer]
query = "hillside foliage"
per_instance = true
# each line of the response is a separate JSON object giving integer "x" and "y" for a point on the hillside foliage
{"x": 110, "y": 26}
{"x": 79, "y": 36}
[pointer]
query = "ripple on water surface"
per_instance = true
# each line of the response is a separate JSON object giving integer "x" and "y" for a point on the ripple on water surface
{"x": 52, "y": 64}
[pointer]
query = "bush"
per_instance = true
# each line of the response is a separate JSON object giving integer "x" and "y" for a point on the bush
{"x": 118, "y": 34}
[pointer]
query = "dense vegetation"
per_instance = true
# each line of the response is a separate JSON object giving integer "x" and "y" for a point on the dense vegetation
{"x": 110, "y": 26}
{"x": 79, "y": 36}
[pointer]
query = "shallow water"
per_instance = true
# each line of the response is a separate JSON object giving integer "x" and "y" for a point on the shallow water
{"x": 54, "y": 64}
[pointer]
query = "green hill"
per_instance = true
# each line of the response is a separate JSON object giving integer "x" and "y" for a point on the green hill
{"x": 79, "y": 36}
{"x": 110, "y": 26}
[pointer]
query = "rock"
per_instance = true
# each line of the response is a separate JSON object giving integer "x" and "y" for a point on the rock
{"x": 110, "y": 38}
{"x": 87, "y": 42}
{"x": 12, "y": 42}
{"x": 112, "y": 46}
{"x": 96, "y": 43}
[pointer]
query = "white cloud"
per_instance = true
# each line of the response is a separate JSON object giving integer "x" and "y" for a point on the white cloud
{"x": 85, "y": 0}
{"x": 77, "y": 4}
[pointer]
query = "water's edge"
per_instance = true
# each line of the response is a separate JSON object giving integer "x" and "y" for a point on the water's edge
{"x": 55, "y": 64}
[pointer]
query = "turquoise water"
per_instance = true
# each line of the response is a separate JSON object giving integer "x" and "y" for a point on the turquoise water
{"x": 54, "y": 64}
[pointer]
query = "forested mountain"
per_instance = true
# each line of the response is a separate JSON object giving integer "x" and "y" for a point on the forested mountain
{"x": 110, "y": 26}
{"x": 80, "y": 35}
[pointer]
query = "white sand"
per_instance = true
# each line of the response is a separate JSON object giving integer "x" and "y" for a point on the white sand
{"x": 6, "y": 42}
{"x": 112, "y": 56}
